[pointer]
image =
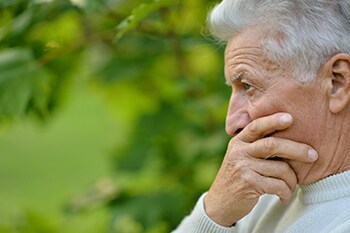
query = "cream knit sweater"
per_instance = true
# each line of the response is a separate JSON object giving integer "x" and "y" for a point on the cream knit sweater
{"x": 321, "y": 207}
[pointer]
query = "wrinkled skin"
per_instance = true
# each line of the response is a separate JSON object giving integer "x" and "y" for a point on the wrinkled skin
{"x": 281, "y": 127}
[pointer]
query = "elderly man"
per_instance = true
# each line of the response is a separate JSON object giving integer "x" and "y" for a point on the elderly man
{"x": 287, "y": 168}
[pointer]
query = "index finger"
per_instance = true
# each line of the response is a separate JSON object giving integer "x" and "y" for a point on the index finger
{"x": 271, "y": 147}
{"x": 264, "y": 126}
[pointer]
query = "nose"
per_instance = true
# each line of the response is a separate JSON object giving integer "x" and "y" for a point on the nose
{"x": 237, "y": 115}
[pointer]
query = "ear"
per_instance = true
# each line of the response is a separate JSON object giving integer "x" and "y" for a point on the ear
{"x": 338, "y": 71}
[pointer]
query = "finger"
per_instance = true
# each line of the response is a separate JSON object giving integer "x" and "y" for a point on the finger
{"x": 276, "y": 187}
{"x": 264, "y": 126}
{"x": 278, "y": 170}
{"x": 271, "y": 147}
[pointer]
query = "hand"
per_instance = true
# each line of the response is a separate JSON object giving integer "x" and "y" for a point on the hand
{"x": 247, "y": 171}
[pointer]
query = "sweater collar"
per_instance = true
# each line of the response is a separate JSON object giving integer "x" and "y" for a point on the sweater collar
{"x": 328, "y": 189}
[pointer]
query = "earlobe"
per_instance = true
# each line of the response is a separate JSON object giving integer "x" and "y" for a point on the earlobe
{"x": 339, "y": 73}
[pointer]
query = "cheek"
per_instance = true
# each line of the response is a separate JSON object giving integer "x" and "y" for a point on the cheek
{"x": 304, "y": 124}
{"x": 266, "y": 107}
{"x": 300, "y": 105}
{"x": 305, "y": 128}
{"x": 272, "y": 106}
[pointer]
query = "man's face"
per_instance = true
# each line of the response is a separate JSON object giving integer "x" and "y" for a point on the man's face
{"x": 262, "y": 88}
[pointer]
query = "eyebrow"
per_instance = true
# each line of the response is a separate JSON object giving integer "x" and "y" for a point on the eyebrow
{"x": 236, "y": 76}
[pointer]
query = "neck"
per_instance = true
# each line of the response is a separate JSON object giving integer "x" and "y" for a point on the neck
{"x": 334, "y": 150}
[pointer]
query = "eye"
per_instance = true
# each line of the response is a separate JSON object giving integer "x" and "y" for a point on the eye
{"x": 247, "y": 86}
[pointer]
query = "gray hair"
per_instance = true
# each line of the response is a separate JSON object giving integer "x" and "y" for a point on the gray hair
{"x": 303, "y": 34}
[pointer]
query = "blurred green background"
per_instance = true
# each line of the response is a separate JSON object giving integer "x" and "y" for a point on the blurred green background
{"x": 111, "y": 114}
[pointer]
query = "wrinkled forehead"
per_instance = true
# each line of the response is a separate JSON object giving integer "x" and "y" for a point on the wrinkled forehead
{"x": 250, "y": 37}
{"x": 246, "y": 49}
{"x": 247, "y": 42}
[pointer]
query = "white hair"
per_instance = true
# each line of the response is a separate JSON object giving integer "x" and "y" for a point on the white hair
{"x": 303, "y": 34}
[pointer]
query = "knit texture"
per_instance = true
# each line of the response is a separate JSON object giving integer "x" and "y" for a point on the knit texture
{"x": 199, "y": 222}
{"x": 322, "y": 207}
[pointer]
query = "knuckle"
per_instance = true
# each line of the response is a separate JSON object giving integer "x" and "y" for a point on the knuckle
{"x": 253, "y": 128}
{"x": 269, "y": 144}
{"x": 233, "y": 141}
{"x": 284, "y": 167}
{"x": 249, "y": 179}
{"x": 235, "y": 152}
{"x": 281, "y": 185}
{"x": 231, "y": 161}
{"x": 236, "y": 165}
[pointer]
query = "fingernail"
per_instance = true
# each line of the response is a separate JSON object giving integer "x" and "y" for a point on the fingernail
{"x": 313, "y": 155}
{"x": 285, "y": 118}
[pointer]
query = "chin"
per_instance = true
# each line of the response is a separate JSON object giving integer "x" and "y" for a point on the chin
{"x": 306, "y": 173}
{"x": 301, "y": 171}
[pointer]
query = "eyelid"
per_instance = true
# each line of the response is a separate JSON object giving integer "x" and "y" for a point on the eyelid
{"x": 243, "y": 81}
{"x": 248, "y": 87}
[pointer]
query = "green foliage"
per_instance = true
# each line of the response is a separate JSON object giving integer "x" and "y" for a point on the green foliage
{"x": 24, "y": 86}
{"x": 159, "y": 73}
{"x": 31, "y": 222}
{"x": 140, "y": 13}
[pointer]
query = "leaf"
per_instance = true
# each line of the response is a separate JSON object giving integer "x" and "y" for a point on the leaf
{"x": 161, "y": 206}
{"x": 22, "y": 22}
{"x": 7, "y": 3}
{"x": 24, "y": 85}
{"x": 140, "y": 13}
